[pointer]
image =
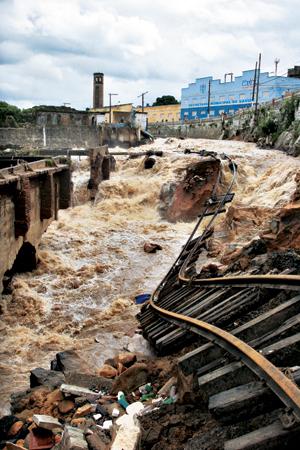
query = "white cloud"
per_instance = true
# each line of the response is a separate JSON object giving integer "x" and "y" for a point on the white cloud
{"x": 49, "y": 49}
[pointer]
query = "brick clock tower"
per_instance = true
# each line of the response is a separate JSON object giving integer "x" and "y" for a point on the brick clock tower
{"x": 98, "y": 90}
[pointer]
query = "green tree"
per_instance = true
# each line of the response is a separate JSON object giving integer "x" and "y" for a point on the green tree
{"x": 7, "y": 110}
{"x": 165, "y": 100}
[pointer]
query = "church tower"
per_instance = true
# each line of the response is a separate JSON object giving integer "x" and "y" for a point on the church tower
{"x": 98, "y": 90}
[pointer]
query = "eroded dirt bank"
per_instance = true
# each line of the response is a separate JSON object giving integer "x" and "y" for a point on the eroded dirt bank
{"x": 92, "y": 262}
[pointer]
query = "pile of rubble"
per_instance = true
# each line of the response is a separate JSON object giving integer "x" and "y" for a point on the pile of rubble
{"x": 69, "y": 408}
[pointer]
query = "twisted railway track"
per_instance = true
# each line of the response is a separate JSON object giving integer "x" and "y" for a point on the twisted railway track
{"x": 186, "y": 305}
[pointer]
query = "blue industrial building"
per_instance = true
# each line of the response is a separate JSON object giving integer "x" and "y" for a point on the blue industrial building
{"x": 232, "y": 96}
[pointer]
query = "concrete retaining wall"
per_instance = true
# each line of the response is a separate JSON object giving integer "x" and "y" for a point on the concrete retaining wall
{"x": 56, "y": 137}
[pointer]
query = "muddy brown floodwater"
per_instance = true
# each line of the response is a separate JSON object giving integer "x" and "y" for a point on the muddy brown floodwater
{"x": 92, "y": 262}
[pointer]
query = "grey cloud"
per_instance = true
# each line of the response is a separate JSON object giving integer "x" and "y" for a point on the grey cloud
{"x": 155, "y": 44}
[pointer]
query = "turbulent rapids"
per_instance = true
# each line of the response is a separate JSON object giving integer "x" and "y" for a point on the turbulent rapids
{"x": 92, "y": 262}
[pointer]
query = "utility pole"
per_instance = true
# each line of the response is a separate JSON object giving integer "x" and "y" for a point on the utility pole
{"x": 208, "y": 99}
{"x": 254, "y": 82}
{"x": 276, "y": 61}
{"x": 110, "y": 95}
{"x": 257, "y": 88}
{"x": 143, "y": 95}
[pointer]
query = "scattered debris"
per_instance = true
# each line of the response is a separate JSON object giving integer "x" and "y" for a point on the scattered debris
{"x": 47, "y": 422}
{"x": 78, "y": 391}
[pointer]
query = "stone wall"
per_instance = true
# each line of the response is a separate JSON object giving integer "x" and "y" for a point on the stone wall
{"x": 204, "y": 129}
{"x": 56, "y": 137}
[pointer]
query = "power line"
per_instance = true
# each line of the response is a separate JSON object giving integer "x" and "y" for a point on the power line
{"x": 143, "y": 95}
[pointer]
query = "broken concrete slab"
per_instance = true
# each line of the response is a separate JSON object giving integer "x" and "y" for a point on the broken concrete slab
{"x": 73, "y": 439}
{"x": 46, "y": 422}
{"x": 78, "y": 391}
{"x": 128, "y": 435}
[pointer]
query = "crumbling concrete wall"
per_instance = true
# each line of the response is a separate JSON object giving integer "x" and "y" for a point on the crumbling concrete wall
{"x": 100, "y": 168}
{"x": 121, "y": 135}
{"x": 29, "y": 201}
{"x": 204, "y": 129}
{"x": 32, "y": 137}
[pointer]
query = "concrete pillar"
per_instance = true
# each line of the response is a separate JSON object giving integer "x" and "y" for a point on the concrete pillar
{"x": 22, "y": 204}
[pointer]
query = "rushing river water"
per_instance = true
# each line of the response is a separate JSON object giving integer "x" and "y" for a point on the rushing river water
{"x": 92, "y": 262}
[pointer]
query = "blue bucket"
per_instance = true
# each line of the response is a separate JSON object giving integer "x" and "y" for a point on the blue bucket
{"x": 142, "y": 298}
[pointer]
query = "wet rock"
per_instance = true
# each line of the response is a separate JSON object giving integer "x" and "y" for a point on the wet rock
{"x": 296, "y": 147}
{"x": 88, "y": 381}
{"x": 107, "y": 371}
{"x": 69, "y": 361}
{"x": 28, "y": 399}
{"x": 287, "y": 232}
{"x": 79, "y": 421}
{"x": 185, "y": 199}
{"x": 11, "y": 446}
{"x": 65, "y": 406}
{"x": 6, "y": 423}
{"x": 127, "y": 359}
{"x": 43, "y": 377}
{"x": 150, "y": 247}
{"x": 78, "y": 391}
{"x": 15, "y": 428}
{"x": 73, "y": 439}
{"x": 121, "y": 368}
{"x": 149, "y": 162}
{"x": 46, "y": 422}
{"x": 285, "y": 142}
{"x": 97, "y": 442}
{"x": 111, "y": 362}
{"x": 84, "y": 410}
{"x": 131, "y": 379}
{"x": 52, "y": 401}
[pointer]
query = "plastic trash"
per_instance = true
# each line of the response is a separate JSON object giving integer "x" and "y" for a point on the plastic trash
{"x": 107, "y": 425}
{"x": 122, "y": 400}
{"x": 168, "y": 401}
{"x": 115, "y": 412}
{"x": 97, "y": 416}
{"x": 134, "y": 408}
{"x": 142, "y": 298}
{"x": 146, "y": 397}
{"x": 146, "y": 389}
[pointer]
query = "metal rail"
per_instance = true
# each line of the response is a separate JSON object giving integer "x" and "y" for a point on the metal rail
{"x": 281, "y": 385}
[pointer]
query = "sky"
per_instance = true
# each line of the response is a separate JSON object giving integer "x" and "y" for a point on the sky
{"x": 49, "y": 49}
